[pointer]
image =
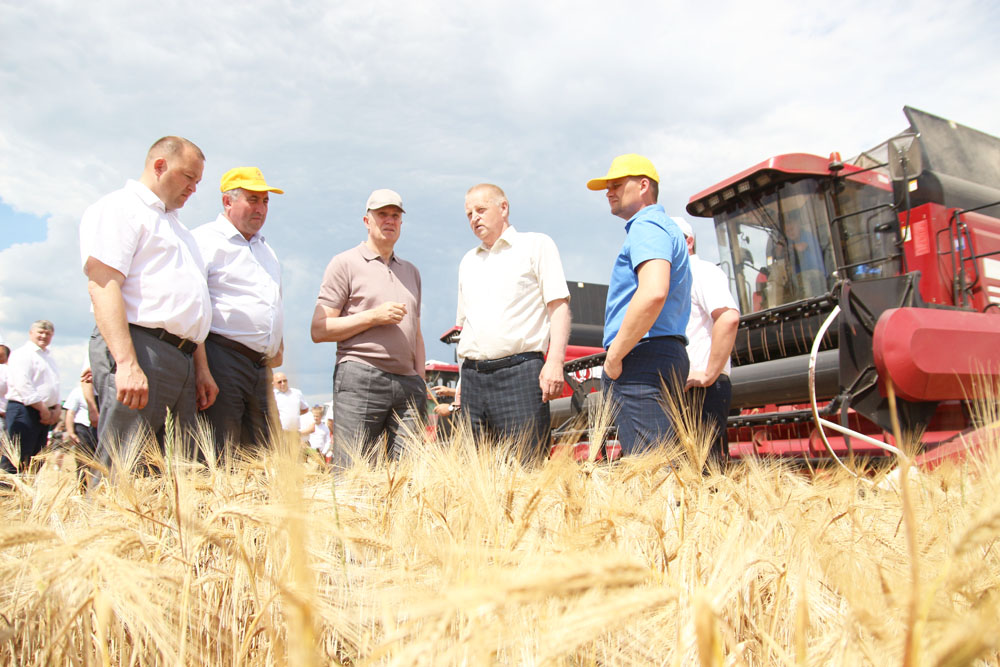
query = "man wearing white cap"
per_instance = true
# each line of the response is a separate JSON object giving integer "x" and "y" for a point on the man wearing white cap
{"x": 369, "y": 304}
{"x": 244, "y": 281}
{"x": 649, "y": 301}
{"x": 151, "y": 303}
{"x": 711, "y": 332}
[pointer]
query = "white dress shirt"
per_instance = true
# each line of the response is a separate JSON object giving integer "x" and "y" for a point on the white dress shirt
{"x": 3, "y": 389}
{"x": 503, "y": 293}
{"x": 709, "y": 292}
{"x": 77, "y": 404}
{"x": 32, "y": 376}
{"x": 131, "y": 231}
{"x": 244, "y": 281}
{"x": 290, "y": 406}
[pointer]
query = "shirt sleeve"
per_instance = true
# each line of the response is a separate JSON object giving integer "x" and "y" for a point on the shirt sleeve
{"x": 647, "y": 241}
{"x": 109, "y": 234}
{"x": 551, "y": 278}
{"x": 714, "y": 290}
{"x": 336, "y": 287}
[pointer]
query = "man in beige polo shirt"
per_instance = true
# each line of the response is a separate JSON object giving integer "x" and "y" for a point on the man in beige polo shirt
{"x": 369, "y": 304}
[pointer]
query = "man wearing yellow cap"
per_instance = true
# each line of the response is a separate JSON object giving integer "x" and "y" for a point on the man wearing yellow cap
{"x": 244, "y": 281}
{"x": 649, "y": 302}
{"x": 151, "y": 303}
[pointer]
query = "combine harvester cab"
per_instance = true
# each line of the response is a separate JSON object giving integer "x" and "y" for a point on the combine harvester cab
{"x": 854, "y": 274}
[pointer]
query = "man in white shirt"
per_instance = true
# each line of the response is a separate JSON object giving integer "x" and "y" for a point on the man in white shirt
{"x": 711, "y": 333}
{"x": 513, "y": 305}
{"x": 315, "y": 431}
{"x": 244, "y": 281}
{"x": 290, "y": 404}
{"x": 32, "y": 395}
{"x": 151, "y": 303}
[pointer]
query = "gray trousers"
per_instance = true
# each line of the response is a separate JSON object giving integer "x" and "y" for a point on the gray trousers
{"x": 368, "y": 402}
{"x": 170, "y": 374}
{"x": 244, "y": 409}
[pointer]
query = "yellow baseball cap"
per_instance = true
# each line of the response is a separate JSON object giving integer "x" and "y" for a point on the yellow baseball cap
{"x": 248, "y": 178}
{"x": 625, "y": 165}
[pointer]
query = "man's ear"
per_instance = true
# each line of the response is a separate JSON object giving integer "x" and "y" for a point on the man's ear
{"x": 159, "y": 166}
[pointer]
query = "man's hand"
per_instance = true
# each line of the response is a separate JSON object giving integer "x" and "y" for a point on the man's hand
{"x": 612, "y": 367}
{"x": 205, "y": 388}
{"x": 699, "y": 379}
{"x": 132, "y": 385}
{"x": 551, "y": 381}
{"x": 389, "y": 312}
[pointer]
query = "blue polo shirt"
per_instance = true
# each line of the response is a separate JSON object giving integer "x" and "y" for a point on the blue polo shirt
{"x": 650, "y": 234}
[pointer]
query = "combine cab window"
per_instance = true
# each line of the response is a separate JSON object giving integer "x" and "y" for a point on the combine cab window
{"x": 867, "y": 229}
{"x": 775, "y": 247}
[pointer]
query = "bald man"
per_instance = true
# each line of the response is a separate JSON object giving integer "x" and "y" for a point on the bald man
{"x": 513, "y": 307}
{"x": 151, "y": 303}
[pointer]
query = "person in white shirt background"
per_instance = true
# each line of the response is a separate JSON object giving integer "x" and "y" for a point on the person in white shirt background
{"x": 290, "y": 403}
{"x": 711, "y": 333}
{"x": 4, "y": 355}
{"x": 32, "y": 395}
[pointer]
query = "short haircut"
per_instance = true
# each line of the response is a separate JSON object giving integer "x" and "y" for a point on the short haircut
{"x": 172, "y": 146}
{"x": 44, "y": 325}
{"x": 654, "y": 187}
{"x": 493, "y": 191}
{"x": 235, "y": 193}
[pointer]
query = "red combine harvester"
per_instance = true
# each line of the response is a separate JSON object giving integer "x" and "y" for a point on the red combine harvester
{"x": 851, "y": 274}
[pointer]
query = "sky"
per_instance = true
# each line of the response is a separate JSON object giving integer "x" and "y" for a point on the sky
{"x": 335, "y": 99}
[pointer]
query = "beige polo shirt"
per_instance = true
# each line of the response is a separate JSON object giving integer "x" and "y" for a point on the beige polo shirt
{"x": 503, "y": 294}
{"x": 357, "y": 280}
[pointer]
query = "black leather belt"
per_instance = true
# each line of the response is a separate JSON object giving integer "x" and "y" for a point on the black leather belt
{"x": 258, "y": 358}
{"x": 502, "y": 362}
{"x": 183, "y": 344}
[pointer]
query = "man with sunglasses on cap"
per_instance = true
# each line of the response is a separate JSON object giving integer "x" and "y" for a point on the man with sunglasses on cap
{"x": 649, "y": 302}
{"x": 151, "y": 303}
{"x": 711, "y": 333}
{"x": 369, "y": 304}
{"x": 244, "y": 281}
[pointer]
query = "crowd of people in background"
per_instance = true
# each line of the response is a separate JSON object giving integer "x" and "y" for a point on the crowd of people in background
{"x": 191, "y": 322}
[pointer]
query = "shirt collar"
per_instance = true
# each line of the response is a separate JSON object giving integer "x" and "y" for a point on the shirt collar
{"x": 508, "y": 237}
{"x": 229, "y": 231}
{"x": 147, "y": 196}
{"x": 370, "y": 254}
{"x": 651, "y": 207}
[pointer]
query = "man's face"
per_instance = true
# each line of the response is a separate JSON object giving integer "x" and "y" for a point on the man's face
{"x": 625, "y": 196}
{"x": 384, "y": 224}
{"x": 179, "y": 176}
{"x": 40, "y": 337}
{"x": 487, "y": 218}
{"x": 280, "y": 382}
{"x": 247, "y": 211}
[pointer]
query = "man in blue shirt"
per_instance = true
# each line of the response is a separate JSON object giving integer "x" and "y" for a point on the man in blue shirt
{"x": 649, "y": 302}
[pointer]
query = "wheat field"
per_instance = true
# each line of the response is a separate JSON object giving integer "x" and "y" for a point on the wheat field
{"x": 459, "y": 556}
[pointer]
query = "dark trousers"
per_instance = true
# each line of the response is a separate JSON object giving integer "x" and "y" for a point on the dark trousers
{"x": 367, "y": 403}
{"x": 25, "y": 426}
{"x": 715, "y": 400}
{"x": 170, "y": 374}
{"x": 87, "y": 447}
{"x": 637, "y": 393}
{"x": 244, "y": 409}
{"x": 505, "y": 406}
